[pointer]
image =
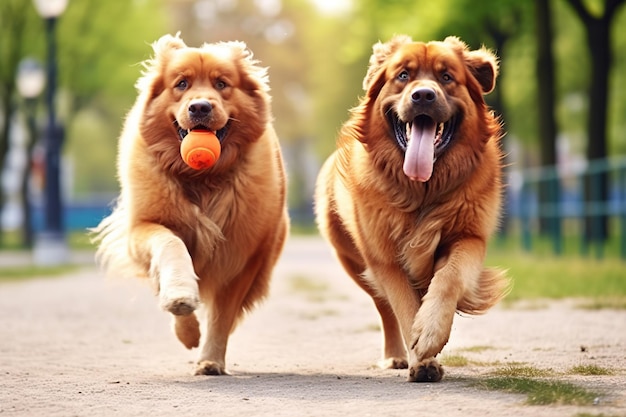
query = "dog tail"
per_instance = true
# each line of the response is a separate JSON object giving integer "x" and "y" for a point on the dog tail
{"x": 492, "y": 286}
{"x": 111, "y": 236}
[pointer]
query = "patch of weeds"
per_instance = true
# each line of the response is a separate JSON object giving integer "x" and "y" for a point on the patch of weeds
{"x": 541, "y": 392}
{"x": 476, "y": 349}
{"x": 590, "y": 370}
{"x": 515, "y": 364}
{"x": 454, "y": 360}
{"x": 306, "y": 285}
{"x": 318, "y": 314}
{"x": 603, "y": 303}
{"x": 595, "y": 415}
{"x": 526, "y": 304}
{"x": 517, "y": 371}
{"x": 27, "y": 272}
{"x": 485, "y": 363}
{"x": 373, "y": 327}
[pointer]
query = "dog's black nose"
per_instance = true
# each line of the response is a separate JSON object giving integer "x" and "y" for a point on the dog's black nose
{"x": 423, "y": 95}
{"x": 199, "y": 109}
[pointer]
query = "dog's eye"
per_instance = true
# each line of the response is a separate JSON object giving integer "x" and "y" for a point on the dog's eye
{"x": 220, "y": 85}
{"x": 446, "y": 77}
{"x": 403, "y": 76}
{"x": 182, "y": 85}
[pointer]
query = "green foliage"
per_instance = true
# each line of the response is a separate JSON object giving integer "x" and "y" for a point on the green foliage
{"x": 17, "y": 38}
{"x": 101, "y": 43}
{"x": 98, "y": 67}
{"x": 316, "y": 71}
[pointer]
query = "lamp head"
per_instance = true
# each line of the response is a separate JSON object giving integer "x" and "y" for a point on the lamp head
{"x": 50, "y": 9}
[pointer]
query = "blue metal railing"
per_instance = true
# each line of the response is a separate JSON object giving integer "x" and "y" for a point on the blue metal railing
{"x": 591, "y": 201}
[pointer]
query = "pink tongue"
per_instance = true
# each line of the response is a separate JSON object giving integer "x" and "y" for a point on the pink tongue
{"x": 420, "y": 152}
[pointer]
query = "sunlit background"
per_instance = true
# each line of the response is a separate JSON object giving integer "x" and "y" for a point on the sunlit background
{"x": 317, "y": 52}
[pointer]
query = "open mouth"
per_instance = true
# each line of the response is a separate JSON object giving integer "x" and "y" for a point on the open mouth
{"x": 422, "y": 140}
{"x": 443, "y": 133}
{"x": 221, "y": 133}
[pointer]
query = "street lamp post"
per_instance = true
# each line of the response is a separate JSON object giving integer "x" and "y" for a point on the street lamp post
{"x": 50, "y": 247}
{"x": 30, "y": 81}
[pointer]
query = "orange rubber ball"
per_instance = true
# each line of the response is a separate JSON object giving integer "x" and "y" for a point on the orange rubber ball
{"x": 200, "y": 149}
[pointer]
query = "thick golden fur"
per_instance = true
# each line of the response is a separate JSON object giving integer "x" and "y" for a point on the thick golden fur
{"x": 209, "y": 237}
{"x": 417, "y": 247}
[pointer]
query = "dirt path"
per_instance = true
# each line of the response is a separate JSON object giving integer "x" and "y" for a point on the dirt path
{"x": 82, "y": 346}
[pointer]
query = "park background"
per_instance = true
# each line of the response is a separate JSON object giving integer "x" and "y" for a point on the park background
{"x": 561, "y": 94}
{"x": 74, "y": 344}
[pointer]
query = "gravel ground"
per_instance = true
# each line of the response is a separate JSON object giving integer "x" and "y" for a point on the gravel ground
{"x": 79, "y": 345}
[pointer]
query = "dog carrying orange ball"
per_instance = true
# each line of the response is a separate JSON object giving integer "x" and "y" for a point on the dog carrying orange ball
{"x": 200, "y": 149}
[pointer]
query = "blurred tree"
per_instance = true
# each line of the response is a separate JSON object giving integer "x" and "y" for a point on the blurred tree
{"x": 95, "y": 63}
{"x": 597, "y": 18}
{"x": 101, "y": 46}
{"x": 549, "y": 192}
{"x": 317, "y": 59}
{"x": 16, "y": 40}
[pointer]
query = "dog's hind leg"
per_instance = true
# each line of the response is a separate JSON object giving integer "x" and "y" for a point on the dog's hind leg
{"x": 394, "y": 350}
{"x": 226, "y": 307}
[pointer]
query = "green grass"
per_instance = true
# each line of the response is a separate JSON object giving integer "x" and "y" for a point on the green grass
{"x": 518, "y": 371}
{"x": 77, "y": 240}
{"x": 596, "y": 415}
{"x": 600, "y": 303}
{"x": 305, "y": 284}
{"x": 476, "y": 349}
{"x": 27, "y": 272}
{"x": 541, "y": 392}
{"x": 11, "y": 241}
{"x": 590, "y": 370}
{"x": 454, "y": 360}
{"x": 546, "y": 276}
{"x": 312, "y": 289}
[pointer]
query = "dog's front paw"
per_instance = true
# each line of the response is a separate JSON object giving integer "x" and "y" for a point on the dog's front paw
{"x": 210, "y": 368}
{"x": 428, "y": 370}
{"x": 179, "y": 302}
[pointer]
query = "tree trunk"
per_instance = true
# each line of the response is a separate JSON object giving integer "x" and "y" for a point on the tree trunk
{"x": 549, "y": 189}
{"x": 599, "y": 43}
{"x": 596, "y": 183}
{"x": 27, "y": 225}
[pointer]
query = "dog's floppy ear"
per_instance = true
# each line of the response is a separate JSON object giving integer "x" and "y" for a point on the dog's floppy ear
{"x": 151, "y": 76}
{"x": 482, "y": 63}
{"x": 167, "y": 43}
{"x": 382, "y": 51}
{"x": 256, "y": 76}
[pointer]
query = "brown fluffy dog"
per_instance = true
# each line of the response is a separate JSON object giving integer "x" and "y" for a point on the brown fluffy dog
{"x": 412, "y": 193}
{"x": 210, "y": 236}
